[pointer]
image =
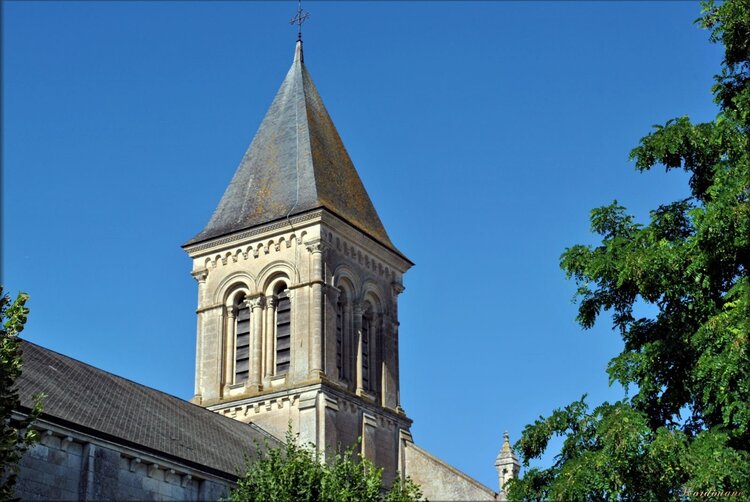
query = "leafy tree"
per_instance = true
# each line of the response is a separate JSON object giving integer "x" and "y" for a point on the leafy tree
{"x": 15, "y": 435}
{"x": 296, "y": 472}
{"x": 686, "y": 428}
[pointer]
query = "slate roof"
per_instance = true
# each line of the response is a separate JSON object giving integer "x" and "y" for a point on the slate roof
{"x": 295, "y": 163}
{"x": 110, "y": 407}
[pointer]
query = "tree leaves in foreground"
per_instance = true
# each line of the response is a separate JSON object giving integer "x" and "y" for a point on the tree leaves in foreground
{"x": 15, "y": 435}
{"x": 686, "y": 428}
{"x": 296, "y": 472}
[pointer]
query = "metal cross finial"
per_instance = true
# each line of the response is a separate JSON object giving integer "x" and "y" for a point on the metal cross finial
{"x": 300, "y": 18}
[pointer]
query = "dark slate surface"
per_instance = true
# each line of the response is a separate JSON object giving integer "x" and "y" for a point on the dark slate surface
{"x": 295, "y": 163}
{"x": 113, "y": 407}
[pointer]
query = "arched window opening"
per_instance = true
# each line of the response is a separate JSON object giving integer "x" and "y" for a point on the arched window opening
{"x": 283, "y": 330}
{"x": 366, "y": 347}
{"x": 340, "y": 339}
{"x": 242, "y": 344}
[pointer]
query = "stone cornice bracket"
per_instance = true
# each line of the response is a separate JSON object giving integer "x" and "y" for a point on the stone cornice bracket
{"x": 134, "y": 463}
{"x": 67, "y": 441}
{"x": 200, "y": 275}
{"x": 185, "y": 480}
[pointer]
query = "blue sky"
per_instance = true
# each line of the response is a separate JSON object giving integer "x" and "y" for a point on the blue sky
{"x": 484, "y": 132}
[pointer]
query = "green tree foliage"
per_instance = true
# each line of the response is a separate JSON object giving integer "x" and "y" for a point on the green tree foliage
{"x": 686, "y": 426}
{"x": 15, "y": 435}
{"x": 295, "y": 472}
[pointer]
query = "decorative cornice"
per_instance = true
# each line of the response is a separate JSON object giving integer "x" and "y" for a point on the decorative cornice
{"x": 244, "y": 234}
{"x": 293, "y": 395}
{"x": 254, "y": 249}
{"x": 355, "y": 235}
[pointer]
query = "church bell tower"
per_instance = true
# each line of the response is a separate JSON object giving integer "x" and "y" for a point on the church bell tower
{"x": 298, "y": 286}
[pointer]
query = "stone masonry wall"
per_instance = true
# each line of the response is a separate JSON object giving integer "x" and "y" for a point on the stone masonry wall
{"x": 64, "y": 467}
{"x": 439, "y": 480}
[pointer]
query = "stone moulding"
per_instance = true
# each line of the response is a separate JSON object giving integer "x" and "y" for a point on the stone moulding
{"x": 245, "y": 234}
{"x": 337, "y": 243}
{"x": 343, "y": 240}
{"x": 52, "y": 434}
{"x": 307, "y": 397}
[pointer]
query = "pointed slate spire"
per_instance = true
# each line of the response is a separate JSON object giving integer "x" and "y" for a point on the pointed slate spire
{"x": 295, "y": 163}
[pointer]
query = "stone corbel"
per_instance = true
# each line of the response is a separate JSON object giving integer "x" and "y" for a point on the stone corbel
{"x": 134, "y": 464}
{"x": 65, "y": 443}
{"x": 153, "y": 469}
{"x": 185, "y": 480}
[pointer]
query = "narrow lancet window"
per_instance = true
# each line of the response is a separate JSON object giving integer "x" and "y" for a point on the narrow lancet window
{"x": 340, "y": 340}
{"x": 242, "y": 345}
{"x": 366, "y": 331}
{"x": 283, "y": 333}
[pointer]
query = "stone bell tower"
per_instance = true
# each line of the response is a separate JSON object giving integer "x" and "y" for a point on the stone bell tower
{"x": 298, "y": 286}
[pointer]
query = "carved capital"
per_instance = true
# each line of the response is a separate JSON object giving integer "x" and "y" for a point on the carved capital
{"x": 271, "y": 301}
{"x": 333, "y": 293}
{"x": 200, "y": 275}
{"x": 316, "y": 246}
{"x": 397, "y": 288}
{"x": 255, "y": 302}
{"x": 358, "y": 309}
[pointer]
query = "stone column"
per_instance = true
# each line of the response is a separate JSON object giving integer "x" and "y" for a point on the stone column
{"x": 350, "y": 342}
{"x": 332, "y": 299}
{"x": 270, "y": 331}
{"x": 256, "y": 304}
{"x": 396, "y": 289}
{"x": 358, "y": 311}
{"x": 316, "y": 249}
{"x": 229, "y": 339}
{"x": 378, "y": 359}
{"x": 200, "y": 276}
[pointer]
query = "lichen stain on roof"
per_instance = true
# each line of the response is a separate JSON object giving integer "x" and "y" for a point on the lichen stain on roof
{"x": 295, "y": 163}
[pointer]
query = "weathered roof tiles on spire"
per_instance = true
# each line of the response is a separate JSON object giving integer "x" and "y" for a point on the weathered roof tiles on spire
{"x": 296, "y": 163}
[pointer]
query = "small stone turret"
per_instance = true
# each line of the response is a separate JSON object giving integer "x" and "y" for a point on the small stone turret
{"x": 507, "y": 464}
